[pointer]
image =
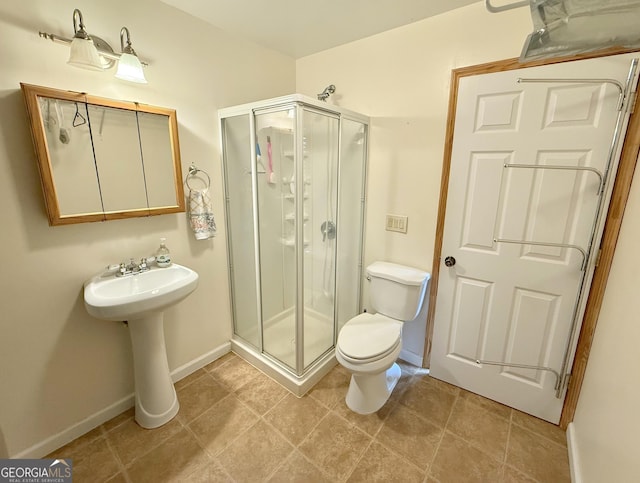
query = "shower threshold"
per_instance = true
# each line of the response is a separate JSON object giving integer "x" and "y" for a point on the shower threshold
{"x": 298, "y": 386}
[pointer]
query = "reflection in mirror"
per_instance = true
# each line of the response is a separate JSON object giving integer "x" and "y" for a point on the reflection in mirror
{"x": 102, "y": 159}
{"x": 155, "y": 142}
{"x": 71, "y": 157}
{"x": 117, "y": 153}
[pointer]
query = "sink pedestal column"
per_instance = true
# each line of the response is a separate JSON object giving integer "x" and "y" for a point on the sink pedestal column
{"x": 156, "y": 399}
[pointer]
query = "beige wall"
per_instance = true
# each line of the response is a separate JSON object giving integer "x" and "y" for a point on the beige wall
{"x": 401, "y": 79}
{"x": 58, "y": 365}
{"x": 607, "y": 420}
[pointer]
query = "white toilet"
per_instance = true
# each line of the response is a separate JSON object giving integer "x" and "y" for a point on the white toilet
{"x": 369, "y": 344}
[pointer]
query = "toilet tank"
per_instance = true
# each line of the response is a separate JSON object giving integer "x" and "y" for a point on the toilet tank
{"x": 397, "y": 291}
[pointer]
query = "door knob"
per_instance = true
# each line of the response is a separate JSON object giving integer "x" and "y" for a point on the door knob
{"x": 449, "y": 261}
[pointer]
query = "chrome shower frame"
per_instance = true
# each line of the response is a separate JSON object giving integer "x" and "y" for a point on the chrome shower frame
{"x": 298, "y": 380}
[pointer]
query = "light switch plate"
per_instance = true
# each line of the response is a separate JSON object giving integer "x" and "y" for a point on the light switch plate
{"x": 396, "y": 223}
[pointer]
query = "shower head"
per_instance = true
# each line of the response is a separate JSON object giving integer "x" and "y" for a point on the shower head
{"x": 324, "y": 95}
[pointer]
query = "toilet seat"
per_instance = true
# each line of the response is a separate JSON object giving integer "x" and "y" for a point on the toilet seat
{"x": 368, "y": 338}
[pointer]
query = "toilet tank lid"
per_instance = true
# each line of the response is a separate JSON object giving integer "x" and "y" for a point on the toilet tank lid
{"x": 398, "y": 273}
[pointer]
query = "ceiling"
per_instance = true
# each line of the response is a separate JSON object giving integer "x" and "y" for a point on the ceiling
{"x": 302, "y": 27}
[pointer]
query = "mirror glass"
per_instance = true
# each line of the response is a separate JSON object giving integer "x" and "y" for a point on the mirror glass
{"x": 118, "y": 161}
{"x": 155, "y": 142}
{"x": 102, "y": 159}
{"x": 71, "y": 160}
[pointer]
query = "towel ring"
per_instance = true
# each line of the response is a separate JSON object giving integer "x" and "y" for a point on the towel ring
{"x": 193, "y": 171}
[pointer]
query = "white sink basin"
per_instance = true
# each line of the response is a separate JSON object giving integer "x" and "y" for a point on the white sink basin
{"x": 140, "y": 300}
{"x": 136, "y": 296}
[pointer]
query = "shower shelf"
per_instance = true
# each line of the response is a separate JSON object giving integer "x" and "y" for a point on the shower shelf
{"x": 285, "y": 130}
{"x": 289, "y": 179}
{"x": 289, "y": 242}
{"x": 292, "y": 217}
{"x": 291, "y": 154}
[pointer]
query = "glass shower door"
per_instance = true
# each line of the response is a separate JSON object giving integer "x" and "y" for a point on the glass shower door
{"x": 318, "y": 180}
{"x": 240, "y": 226}
{"x": 351, "y": 198}
{"x": 275, "y": 172}
{"x": 297, "y": 198}
{"x": 294, "y": 185}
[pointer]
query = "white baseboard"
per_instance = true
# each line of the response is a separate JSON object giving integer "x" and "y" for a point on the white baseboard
{"x": 411, "y": 358}
{"x": 67, "y": 435}
{"x": 198, "y": 363}
{"x": 574, "y": 460}
{"x": 43, "y": 448}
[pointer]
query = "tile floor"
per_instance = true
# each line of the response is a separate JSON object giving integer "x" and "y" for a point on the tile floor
{"x": 236, "y": 424}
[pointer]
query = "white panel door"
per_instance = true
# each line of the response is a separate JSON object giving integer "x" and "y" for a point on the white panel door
{"x": 515, "y": 303}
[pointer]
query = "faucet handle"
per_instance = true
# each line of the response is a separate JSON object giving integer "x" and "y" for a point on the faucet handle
{"x": 143, "y": 264}
{"x": 122, "y": 270}
{"x": 110, "y": 270}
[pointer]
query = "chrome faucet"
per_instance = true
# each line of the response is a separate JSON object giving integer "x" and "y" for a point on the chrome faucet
{"x": 133, "y": 268}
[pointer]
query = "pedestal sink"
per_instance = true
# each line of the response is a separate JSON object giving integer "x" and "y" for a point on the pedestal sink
{"x": 140, "y": 299}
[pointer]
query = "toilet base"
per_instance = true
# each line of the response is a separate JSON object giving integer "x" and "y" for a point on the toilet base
{"x": 368, "y": 392}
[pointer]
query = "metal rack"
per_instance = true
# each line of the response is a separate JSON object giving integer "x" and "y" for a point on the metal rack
{"x": 625, "y": 101}
{"x": 524, "y": 366}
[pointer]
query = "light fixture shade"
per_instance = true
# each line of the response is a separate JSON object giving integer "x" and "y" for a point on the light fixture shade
{"x": 83, "y": 53}
{"x": 130, "y": 69}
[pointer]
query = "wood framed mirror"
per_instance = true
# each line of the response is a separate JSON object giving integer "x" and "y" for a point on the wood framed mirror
{"x": 102, "y": 159}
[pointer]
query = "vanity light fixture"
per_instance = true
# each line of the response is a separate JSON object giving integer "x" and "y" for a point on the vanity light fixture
{"x": 129, "y": 66}
{"x": 83, "y": 52}
{"x": 89, "y": 51}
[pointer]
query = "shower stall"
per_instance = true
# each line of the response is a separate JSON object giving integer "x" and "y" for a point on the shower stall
{"x": 294, "y": 176}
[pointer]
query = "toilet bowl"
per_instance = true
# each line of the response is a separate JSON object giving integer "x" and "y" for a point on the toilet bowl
{"x": 369, "y": 344}
{"x": 368, "y": 347}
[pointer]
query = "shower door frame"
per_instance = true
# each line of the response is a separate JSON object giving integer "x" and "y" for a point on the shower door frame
{"x": 299, "y": 103}
{"x": 301, "y": 107}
